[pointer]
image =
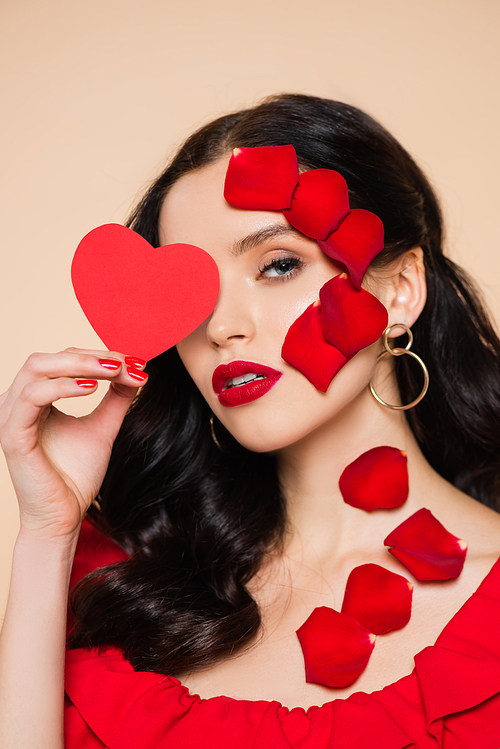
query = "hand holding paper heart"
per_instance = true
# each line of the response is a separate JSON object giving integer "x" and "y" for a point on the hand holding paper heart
{"x": 141, "y": 299}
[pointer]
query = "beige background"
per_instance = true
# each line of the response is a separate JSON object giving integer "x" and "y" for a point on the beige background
{"x": 95, "y": 94}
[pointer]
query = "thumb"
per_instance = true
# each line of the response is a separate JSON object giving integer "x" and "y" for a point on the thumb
{"x": 108, "y": 416}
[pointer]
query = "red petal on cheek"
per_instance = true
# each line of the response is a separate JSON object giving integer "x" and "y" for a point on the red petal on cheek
{"x": 426, "y": 548}
{"x": 377, "y": 480}
{"x": 336, "y": 648}
{"x": 261, "y": 179}
{"x": 320, "y": 202}
{"x": 352, "y": 318}
{"x": 378, "y": 599}
{"x": 359, "y": 238}
{"x": 306, "y": 349}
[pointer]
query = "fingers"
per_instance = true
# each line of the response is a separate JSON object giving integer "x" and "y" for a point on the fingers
{"x": 98, "y": 365}
{"x": 20, "y": 431}
{"x": 75, "y": 363}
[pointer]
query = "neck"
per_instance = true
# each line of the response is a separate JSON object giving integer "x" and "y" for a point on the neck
{"x": 319, "y": 521}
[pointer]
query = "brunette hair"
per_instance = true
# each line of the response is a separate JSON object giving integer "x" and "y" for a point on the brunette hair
{"x": 197, "y": 520}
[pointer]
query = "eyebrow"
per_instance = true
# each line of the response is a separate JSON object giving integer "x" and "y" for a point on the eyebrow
{"x": 260, "y": 236}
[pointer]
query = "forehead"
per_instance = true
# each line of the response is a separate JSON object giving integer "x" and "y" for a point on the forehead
{"x": 195, "y": 212}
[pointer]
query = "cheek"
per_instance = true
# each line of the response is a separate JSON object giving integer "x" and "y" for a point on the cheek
{"x": 191, "y": 352}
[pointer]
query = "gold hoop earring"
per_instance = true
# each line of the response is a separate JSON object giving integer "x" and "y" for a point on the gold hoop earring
{"x": 400, "y": 352}
{"x": 212, "y": 430}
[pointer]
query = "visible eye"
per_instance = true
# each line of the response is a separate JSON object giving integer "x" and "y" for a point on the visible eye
{"x": 283, "y": 267}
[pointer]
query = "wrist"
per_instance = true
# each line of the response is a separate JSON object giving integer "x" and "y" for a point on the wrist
{"x": 48, "y": 543}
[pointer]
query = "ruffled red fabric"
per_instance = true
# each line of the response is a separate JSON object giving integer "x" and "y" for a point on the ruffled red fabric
{"x": 451, "y": 700}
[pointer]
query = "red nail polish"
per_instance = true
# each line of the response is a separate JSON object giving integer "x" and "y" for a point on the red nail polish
{"x": 137, "y": 374}
{"x": 110, "y": 363}
{"x": 87, "y": 383}
{"x": 133, "y": 361}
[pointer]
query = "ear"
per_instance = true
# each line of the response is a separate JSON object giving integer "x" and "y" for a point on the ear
{"x": 407, "y": 292}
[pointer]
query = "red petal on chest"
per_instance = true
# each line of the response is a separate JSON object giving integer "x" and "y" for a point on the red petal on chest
{"x": 426, "y": 548}
{"x": 336, "y": 648}
{"x": 378, "y": 599}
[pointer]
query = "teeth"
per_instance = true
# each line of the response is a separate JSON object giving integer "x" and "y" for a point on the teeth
{"x": 242, "y": 379}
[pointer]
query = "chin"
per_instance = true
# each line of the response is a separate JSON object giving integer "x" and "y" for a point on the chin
{"x": 267, "y": 435}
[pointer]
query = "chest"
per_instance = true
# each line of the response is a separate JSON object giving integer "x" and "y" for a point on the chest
{"x": 272, "y": 667}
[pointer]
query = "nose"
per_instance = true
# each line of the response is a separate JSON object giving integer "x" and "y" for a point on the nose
{"x": 233, "y": 319}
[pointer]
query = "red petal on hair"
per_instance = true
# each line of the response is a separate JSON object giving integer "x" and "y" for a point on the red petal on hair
{"x": 336, "y": 648}
{"x": 320, "y": 202}
{"x": 261, "y": 179}
{"x": 358, "y": 239}
{"x": 377, "y": 480}
{"x": 352, "y": 318}
{"x": 426, "y": 548}
{"x": 306, "y": 349}
{"x": 378, "y": 599}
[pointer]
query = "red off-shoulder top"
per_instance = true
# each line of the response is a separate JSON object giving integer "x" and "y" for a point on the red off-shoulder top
{"x": 451, "y": 699}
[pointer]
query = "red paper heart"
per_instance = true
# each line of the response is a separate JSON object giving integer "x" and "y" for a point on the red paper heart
{"x": 262, "y": 178}
{"x": 377, "y": 480}
{"x": 359, "y": 238}
{"x": 426, "y": 548}
{"x": 320, "y": 202}
{"x": 336, "y": 648}
{"x": 378, "y": 599}
{"x": 306, "y": 349}
{"x": 352, "y": 318}
{"x": 139, "y": 299}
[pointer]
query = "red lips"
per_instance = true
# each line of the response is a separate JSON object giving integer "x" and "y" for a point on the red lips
{"x": 244, "y": 393}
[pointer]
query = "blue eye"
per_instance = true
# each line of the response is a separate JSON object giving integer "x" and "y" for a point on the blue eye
{"x": 282, "y": 267}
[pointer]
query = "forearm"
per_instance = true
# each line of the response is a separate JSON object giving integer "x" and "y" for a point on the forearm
{"x": 32, "y": 644}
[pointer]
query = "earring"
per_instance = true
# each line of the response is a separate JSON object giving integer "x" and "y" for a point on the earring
{"x": 212, "y": 430}
{"x": 400, "y": 352}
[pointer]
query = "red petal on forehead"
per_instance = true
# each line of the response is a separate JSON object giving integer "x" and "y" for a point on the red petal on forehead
{"x": 306, "y": 349}
{"x": 320, "y": 202}
{"x": 352, "y": 318}
{"x": 426, "y": 548}
{"x": 261, "y": 179}
{"x": 377, "y": 480}
{"x": 378, "y": 599}
{"x": 359, "y": 238}
{"x": 336, "y": 648}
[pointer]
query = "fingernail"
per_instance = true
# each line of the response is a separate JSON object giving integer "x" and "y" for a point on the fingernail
{"x": 87, "y": 383}
{"x": 137, "y": 374}
{"x": 135, "y": 362}
{"x": 110, "y": 363}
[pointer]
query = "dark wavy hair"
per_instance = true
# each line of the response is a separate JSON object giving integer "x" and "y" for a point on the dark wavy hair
{"x": 198, "y": 520}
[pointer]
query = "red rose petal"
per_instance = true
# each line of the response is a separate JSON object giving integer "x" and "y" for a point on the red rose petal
{"x": 261, "y": 179}
{"x": 378, "y": 599}
{"x": 426, "y": 548}
{"x": 377, "y": 480}
{"x": 306, "y": 349}
{"x": 336, "y": 648}
{"x": 352, "y": 318}
{"x": 320, "y": 202}
{"x": 359, "y": 238}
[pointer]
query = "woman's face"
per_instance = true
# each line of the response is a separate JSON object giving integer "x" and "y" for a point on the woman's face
{"x": 269, "y": 274}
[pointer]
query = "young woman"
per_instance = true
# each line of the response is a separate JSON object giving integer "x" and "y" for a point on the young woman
{"x": 214, "y": 524}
